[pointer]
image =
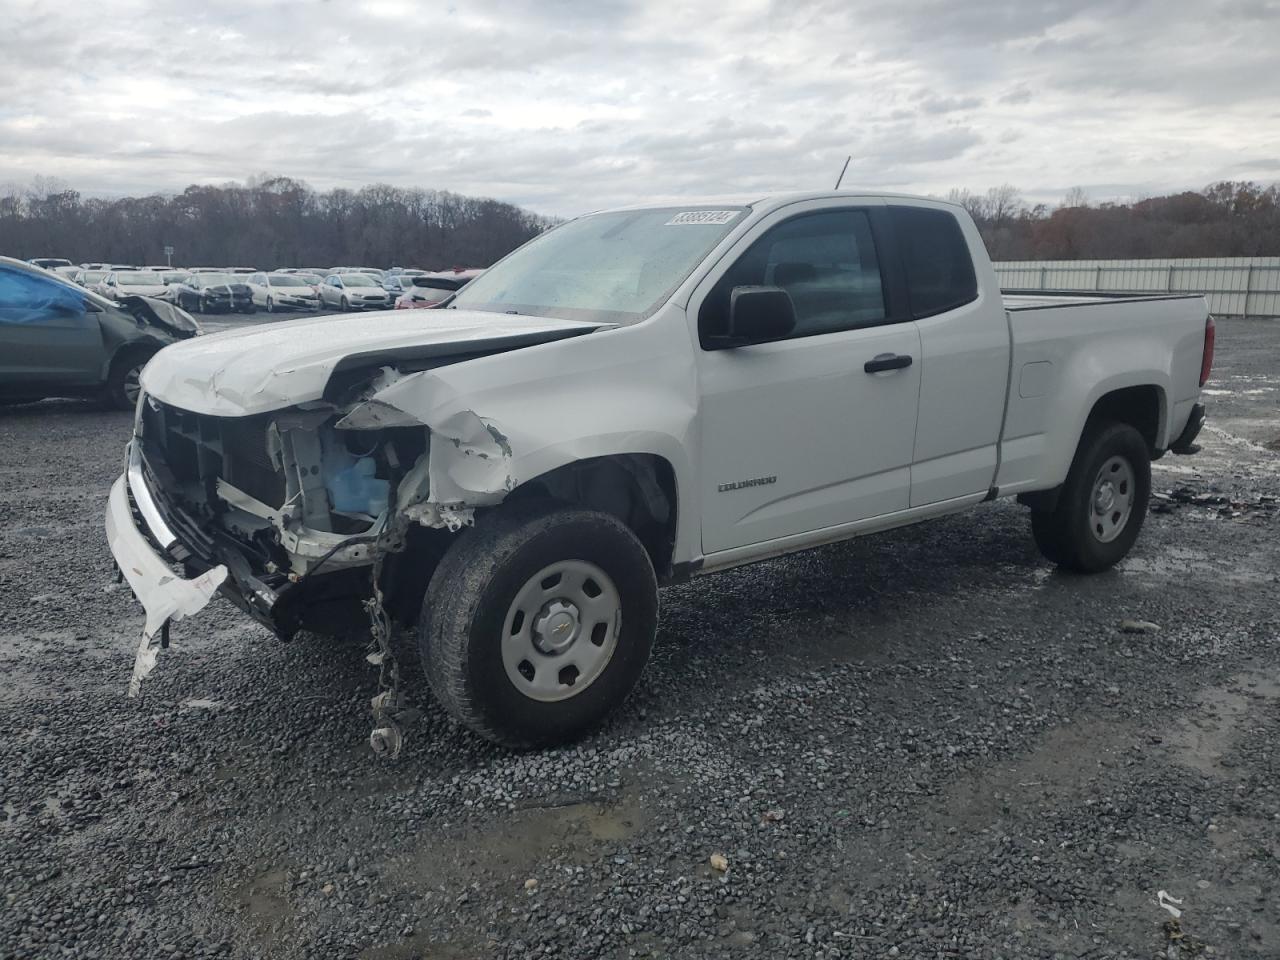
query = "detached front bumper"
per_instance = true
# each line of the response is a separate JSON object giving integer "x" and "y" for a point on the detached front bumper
{"x": 164, "y": 595}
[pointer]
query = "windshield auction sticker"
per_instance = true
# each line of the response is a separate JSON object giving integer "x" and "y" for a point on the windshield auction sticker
{"x": 702, "y": 217}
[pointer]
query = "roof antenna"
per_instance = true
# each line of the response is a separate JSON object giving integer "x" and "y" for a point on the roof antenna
{"x": 842, "y": 170}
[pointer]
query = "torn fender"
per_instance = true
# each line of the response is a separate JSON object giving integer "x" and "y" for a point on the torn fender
{"x": 468, "y": 462}
{"x": 163, "y": 594}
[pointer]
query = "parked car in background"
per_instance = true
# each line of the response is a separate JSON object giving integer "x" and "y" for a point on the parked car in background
{"x": 131, "y": 283}
{"x": 314, "y": 280}
{"x": 49, "y": 263}
{"x": 95, "y": 266}
{"x": 239, "y": 269}
{"x": 372, "y": 271}
{"x": 58, "y": 340}
{"x": 432, "y": 289}
{"x": 214, "y": 293}
{"x": 397, "y": 284}
{"x": 282, "y": 291}
{"x": 66, "y": 273}
{"x": 89, "y": 278}
{"x": 353, "y": 291}
{"x": 172, "y": 278}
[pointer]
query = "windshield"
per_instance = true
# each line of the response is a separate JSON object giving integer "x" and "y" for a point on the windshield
{"x": 359, "y": 280}
{"x": 175, "y": 276}
{"x": 211, "y": 279}
{"x": 610, "y": 266}
{"x": 285, "y": 280}
{"x": 310, "y": 279}
{"x": 141, "y": 279}
{"x": 92, "y": 276}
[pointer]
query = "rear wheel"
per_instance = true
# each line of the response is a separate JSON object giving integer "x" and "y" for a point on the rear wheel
{"x": 538, "y": 622}
{"x": 1103, "y": 503}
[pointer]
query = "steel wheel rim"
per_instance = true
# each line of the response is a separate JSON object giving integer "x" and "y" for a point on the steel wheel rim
{"x": 1111, "y": 501}
{"x": 561, "y": 630}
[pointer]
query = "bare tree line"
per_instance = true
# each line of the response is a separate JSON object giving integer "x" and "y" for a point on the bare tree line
{"x": 1227, "y": 219}
{"x": 278, "y": 222}
{"x": 267, "y": 222}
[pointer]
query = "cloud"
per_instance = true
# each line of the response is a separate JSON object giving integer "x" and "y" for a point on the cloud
{"x": 569, "y": 105}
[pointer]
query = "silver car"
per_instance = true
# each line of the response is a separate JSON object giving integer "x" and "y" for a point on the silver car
{"x": 354, "y": 291}
{"x": 282, "y": 291}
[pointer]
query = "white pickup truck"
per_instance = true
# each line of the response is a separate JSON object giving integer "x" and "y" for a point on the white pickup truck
{"x": 631, "y": 399}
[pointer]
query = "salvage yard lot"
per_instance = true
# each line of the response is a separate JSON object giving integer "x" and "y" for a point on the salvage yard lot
{"x": 926, "y": 744}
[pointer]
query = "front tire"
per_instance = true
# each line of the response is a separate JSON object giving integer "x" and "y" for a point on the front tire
{"x": 124, "y": 381}
{"x": 1103, "y": 503}
{"x": 538, "y": 622}
{"x": 271, "y": 307}
{"x": 344, "y": 304}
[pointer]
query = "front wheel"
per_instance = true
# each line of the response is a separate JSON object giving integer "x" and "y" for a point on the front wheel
{"x": 345, "y": 305}
{"x": 271, "y": 307}
{"x": 124, "y": 382}
{"x": 1102, "y": 504}
{"x": 538, "y": 622}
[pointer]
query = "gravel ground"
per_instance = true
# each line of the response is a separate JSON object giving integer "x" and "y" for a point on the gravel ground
{"x": 926, "y": 744}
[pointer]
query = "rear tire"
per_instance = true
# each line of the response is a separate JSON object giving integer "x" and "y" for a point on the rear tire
{"x": 1103, "y": 503}
{"x": 538, "y": 622}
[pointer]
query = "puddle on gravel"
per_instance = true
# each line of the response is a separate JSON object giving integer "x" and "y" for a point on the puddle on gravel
{"x": 1176, "y": 563}
{"x": 511, "y": 848}
{"x": 262, "y": 903}
{"x": 1206, "y": 735}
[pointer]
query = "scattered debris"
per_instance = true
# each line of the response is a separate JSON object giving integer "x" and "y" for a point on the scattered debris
{"x": 1166, "y": 902}
{"x": 719, "y": 863}
{"x": 1139, "y": 626}
{"x": 199, "y": 703}
{"x": 531, "y": 885}
{"x": 773, "y": 816}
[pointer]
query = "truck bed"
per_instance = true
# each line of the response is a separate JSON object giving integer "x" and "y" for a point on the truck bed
{"x": 1044, "y": 299}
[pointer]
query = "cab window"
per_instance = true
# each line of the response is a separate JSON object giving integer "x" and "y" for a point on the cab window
{"x": 936, "y": 259}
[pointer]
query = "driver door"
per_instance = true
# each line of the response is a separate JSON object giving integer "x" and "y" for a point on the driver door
{"x": 814, "y": 431}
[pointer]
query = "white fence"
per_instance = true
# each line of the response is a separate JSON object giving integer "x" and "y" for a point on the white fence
{"x": 1234, "y": 286}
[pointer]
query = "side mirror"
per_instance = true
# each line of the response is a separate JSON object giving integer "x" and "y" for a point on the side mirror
{"x": 759, "y": 315}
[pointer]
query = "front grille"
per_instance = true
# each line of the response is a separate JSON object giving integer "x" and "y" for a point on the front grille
{"x": 197, "y": 450}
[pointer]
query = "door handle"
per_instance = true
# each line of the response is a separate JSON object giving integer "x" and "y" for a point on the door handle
{"x": 887, "y": 361}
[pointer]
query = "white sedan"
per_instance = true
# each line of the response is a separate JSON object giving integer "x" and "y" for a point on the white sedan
{"x": 131, "y": 283}
{"x": 282, "y": 291}
{"x": 354, "y": 291}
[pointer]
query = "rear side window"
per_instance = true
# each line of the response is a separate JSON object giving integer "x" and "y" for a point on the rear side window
{"x": 936, "y": 258}
{"x": 29, "y": 299}
{"x": 827, "y": 263}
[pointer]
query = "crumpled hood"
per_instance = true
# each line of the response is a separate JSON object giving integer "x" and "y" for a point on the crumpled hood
{"x": 269, "y": 367}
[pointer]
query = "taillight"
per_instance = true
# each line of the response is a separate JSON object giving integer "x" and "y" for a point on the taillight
{"x": 1206, "y": 359}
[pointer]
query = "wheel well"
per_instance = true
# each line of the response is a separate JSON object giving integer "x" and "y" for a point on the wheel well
{"x": 637, "y": 488}
{"x": 129, "y": 352}
{"x": 1140, "y": 407}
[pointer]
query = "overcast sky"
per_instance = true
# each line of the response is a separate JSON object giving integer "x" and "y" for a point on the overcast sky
{"x": 565, "y": 106}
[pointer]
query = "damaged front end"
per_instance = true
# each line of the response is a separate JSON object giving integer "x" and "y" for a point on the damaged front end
{"x": 291, "y": 514}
